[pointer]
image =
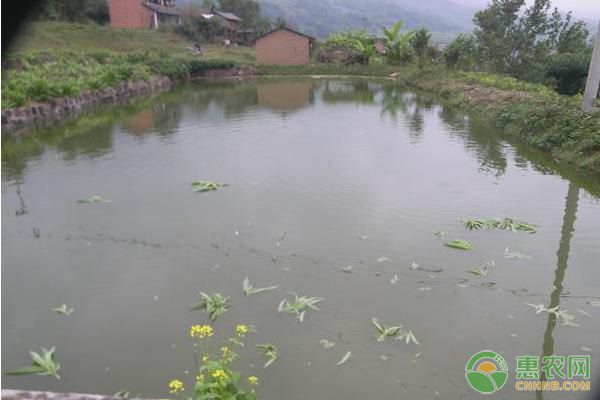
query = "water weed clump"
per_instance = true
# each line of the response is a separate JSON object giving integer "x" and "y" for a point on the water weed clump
{"x": 270, "y": 351}
{"x": 299, "y": 305}
{"x": 509, "y": 224}
{"x": 459, "y": 244}
{"x": 206, "y": 186}
{"x": 215, "y": 378}
{"x": 250, "y": 290}
{"x": 43, "y": 364}
{"x": 214, "y": 304}
{"x": 63, "y": 309}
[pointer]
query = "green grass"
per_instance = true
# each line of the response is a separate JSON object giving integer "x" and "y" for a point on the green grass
{"x": 83, "y": 38}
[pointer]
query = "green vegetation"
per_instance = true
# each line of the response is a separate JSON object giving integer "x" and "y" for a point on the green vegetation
{"x": 63, "y": 309}
{"x": 459, "y": 244}
{"x": 270, "y": 351}
{"x": 299, "y": 305}
{"x": 214, "y": 304}
{"x": 214, "y": 376}
{"x": 510, "y": 224}
{"x": 206, "y": 186}
{"x": 93, "y": 199}
{"x": 250, "y": 290}
{"x": 42, "y": 365}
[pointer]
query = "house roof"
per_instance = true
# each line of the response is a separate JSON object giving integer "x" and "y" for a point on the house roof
{"x": 287, "y": 29}
{"x": 228, "y": 16}
{"x": 161, "y": 9}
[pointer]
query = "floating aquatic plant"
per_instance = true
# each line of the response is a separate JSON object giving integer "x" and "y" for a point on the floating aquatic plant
{"x": 64, "y": 309}
{"x": 484, "y": 270}
{"x": 408, "y": 336}
{"x": 510, "y": 224}
{"x": 93, "y": 199}
{"x": 439, "y": 234}
{"x": 345, "y": 358}
{"x": 215, "y": 304}
{"x": 384, "y": 330}
{"x": 326, "y": 344}
{"x": 459, "y": 244}
{"x": 270, "y": 351}
{"x": 42, "y": 365}
{"x": 515, "y": 254}
{"x": 250, "y": 290}
{"x": 562, "y": 315}
{"x": 206, "y": 186}
{"x": 299, "y": 305}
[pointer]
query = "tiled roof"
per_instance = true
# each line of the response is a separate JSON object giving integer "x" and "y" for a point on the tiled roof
{"x": 287, "y": 29}
{"x": 228, "y": 16}
{"x": 162, "y": 9}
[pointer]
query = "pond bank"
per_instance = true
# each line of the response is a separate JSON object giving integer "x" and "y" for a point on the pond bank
{"x": 47, "y": 112}
{"x": 8, "y": 394}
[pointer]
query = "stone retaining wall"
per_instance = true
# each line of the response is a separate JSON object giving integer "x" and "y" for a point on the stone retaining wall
{"x": 16, "y": 119}
{"x": 29, "y": 395}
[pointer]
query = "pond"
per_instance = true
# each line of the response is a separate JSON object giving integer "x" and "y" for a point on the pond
{"x": 335, "y": 189}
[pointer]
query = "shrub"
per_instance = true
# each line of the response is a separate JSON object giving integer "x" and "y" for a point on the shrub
{"x": 568, "y": 72}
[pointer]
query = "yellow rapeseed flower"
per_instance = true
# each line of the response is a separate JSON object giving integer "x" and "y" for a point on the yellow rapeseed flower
{"x": 252, "y": 380}
{"x": 225, "y": 350}
{"x": 205, "y": 358}
{"x": 201, "y": 331}
{"x": 200, "y": 378}
{"x": 242, "y": 329}
{"x": 175, "y": 386}
{"x": 219, "y": 374}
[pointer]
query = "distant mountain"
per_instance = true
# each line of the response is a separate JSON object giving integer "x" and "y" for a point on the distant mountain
{"x": 322, "y": 17}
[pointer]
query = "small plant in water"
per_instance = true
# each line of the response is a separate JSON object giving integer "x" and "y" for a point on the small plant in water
{"x": 511, "y": 224}
{"x": 270, "y": 351}
{"x": 215, "y": 379}
{"x": 459, "y": 244}
{"x": 249, "y": 289}
{"x": 42, "y": 365}
{"x": 215, "y": 304}
{"x": 63, "y": 309}
{"x": 93, "y": 199}
{"x": 384, "y": 330}
{"x": 206, "y": 186}
{"x": 299, "y": 305}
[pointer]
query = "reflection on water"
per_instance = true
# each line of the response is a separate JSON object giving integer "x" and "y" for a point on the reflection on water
{"x": 349, "y": 172}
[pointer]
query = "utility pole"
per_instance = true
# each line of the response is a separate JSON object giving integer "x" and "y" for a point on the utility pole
{"x": 593, "y": 78}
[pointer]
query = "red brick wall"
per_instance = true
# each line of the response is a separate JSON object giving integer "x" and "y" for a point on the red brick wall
{"x": 129, "y": 14}
{"x": 283, "y": 47}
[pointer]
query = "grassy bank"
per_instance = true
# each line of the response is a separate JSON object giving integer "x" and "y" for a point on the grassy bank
{"x": 56, "y": 59}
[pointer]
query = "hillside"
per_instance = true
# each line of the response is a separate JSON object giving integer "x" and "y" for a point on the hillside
{"x": 322, "y": 17}
{"x": 82, "y": 38}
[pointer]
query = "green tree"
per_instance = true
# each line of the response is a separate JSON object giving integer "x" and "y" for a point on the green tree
{"x": 74, "y": 10}
{"x": 461, "y": 53}
{"x": 248, "y": 11}
{"x": 420, "y": 42}
{"x": 358, "y": 44}
{"x": 398, "y": 46}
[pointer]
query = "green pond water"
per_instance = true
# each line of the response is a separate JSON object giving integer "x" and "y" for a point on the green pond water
{"x": 323, "y": 174}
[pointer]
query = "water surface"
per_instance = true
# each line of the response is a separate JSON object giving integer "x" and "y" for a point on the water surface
{"x": 322, "y": 174}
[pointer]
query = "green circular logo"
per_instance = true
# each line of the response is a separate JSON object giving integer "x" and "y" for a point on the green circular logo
{"x": 486, "y": 371}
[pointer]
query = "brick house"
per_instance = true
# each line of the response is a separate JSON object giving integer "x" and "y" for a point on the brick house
{"x": 142, "y": 14}
{"x": 284, "y": 46}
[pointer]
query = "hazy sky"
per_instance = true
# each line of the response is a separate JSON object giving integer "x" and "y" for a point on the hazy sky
{"x": 589, "y": 9}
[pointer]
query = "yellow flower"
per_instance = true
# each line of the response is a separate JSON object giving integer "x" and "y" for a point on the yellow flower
{"x": 242, "y": 329}
{"x": 200, "y": 378}
{"x": 224, "y": 350}
{"x": 252, "y": 380}
{"x": 219, "y": 375}
{"x": 201, "y": 331}
{"x": 205, "y": 358}
{"x": 175, "y": 386}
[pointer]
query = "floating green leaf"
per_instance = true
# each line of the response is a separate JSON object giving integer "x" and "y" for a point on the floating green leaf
{"x": 42, "y": 365}
{"x": 384, "y": 330}
{"x": 63, "y": 309}
{"x": 206, "y": 186}
{"x": 459, "y": 244}
{"x": 215, "y": 304}
{"x": 270, "y": 351}
{"x": 299, "y": 305}
{"x": 345, "y": 358}
{"x": 510, "y": 224}
{"x": 250, "y": 290}
{"x": 94, "y": 199}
